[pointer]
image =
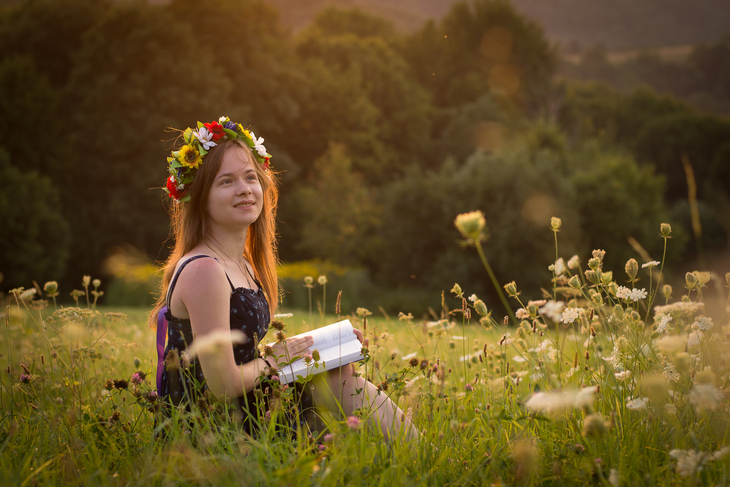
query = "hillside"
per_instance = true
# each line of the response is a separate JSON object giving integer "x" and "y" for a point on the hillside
{"x": 619, "y": 24}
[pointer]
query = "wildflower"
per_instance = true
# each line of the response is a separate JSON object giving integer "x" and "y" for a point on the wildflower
{"x": 570, "y": 315}
{"x": 457, "y": 290}
{"x": 631, "y": 268}
{"x": 680, "y": 307}
{"x": 558, "y": 267}
{"x": 613, "y": 478}
{"x": 623, "y": 376}
{"x": 308, "y": 280}
{"x": 522, "y": 314}
{"x": 667, "y": 291}
{"x": 594, "y": 425}
{"x": 651, "y": 264}
{"x": 258, "y": 144}
{"x": 599, "y": 254}
{"x": 121, "y": 384}
{"x": 670, "y": 343}
{"x": 277, "y": 325}
{"x": 670, "y": 372}
{"x": 526, "y": 457}
{"x": 362, "y": 312}
{"x": 172, "y": 360}
{"x": 214, "y": 343}
{"x": 190, "y": 157}
{"x": 329, "y": 437}
{"x": 25, "y": 378}
{"x": 638, "y": 404}
{"x": 553, "y": 310}
{"x": 468, "y": 387}
{"x": 205, "y": 138}
{"x": 315, "y": 355}
{"x": 555, "y": 223}
{"x": 283, "y": 315}
{"x": 136, "y": 379}
{"x": 663, "y": 324}
{"x": 705, "y": 397}
{"x": 573, "y": 262}
{"x": 574, "y": 282}
{"x": 413, "y": 362}
{"x": 630, "y": 294}
{"x": 275, "y": 378}
{"x": 471, "y": 225}
{"x": 702, "y": 323}
{"x": 695, "y": 338}
{"x": 688, "y": 461}
{"x": 322, "y": 280}
{"x": 353, "y": 422}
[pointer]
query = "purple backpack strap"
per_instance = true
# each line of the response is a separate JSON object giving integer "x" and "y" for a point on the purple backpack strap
{"x": 161, "y": 336}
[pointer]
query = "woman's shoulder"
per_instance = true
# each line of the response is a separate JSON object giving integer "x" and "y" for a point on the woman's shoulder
{"x": 200, "y": 268}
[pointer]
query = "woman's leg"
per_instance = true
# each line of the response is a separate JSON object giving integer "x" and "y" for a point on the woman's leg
{"x": 344, "y": 392}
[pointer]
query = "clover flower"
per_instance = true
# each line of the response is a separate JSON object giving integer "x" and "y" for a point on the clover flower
{"x": 136, "y": 379}
{"x": 353, "y": 422}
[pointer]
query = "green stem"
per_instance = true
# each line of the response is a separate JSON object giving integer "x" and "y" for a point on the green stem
{"x": 494, "y": 281}
{"x": 658, "y": 282}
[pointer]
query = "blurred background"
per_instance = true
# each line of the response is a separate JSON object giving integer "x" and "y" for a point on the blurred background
{"x": 386, "y": 120}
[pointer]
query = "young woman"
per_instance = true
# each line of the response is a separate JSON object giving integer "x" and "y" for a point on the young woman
{"x": 220, "y": 280}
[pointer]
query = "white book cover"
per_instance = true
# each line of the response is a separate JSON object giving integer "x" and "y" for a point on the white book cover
{"x": 337, "y": 345}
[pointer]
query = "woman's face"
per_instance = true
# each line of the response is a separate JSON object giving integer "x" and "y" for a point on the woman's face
{"x": 236, "y": 197}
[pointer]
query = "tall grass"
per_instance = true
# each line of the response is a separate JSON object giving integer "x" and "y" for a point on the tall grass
{"x": 606, "y": 380}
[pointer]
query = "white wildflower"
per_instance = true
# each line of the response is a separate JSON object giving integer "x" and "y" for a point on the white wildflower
{"x": 553, "y": 310}
{"x": 702, "y": 323}
{"x": 258, "y": 144}
{"x": 670, "y": 409}
{"x": 283, "y": 315}
{"x": 558, "y": 401}
{"x": 522, "y": 314}
{"x": 630, "y": 294}
{"x": 574, "y": 262}
{"x": 623, "y": 375}
{"x": 572, "y": 371}
{"x": 570, "y": 315}
{"x": 670, "y": 372}
{"x": 721, "y": 453}
{"x": 694, "y": 338}
{"x": 705, "y": 397}
{"x": 662, "y": 321}
{"x": 651, "y": 264}
{"x": 613, "y": 478}
{"x": 586, "y": 396}
{"x": 680, "y": 307}
{"x": 473, "y": 298}
{"x": 623, "y": 292}
{"x": 637, "y": 294}
{"x": 688, "y": 461}
{"x": 638, "y": 404}
{"x": 558, "y": 267}
{"x": 205, "y": 138}
{"x": 221, "y": 120}
{"x": 553, "y": 354}
{"x": 537, "y": 303}
{"x": 671, "y": 342}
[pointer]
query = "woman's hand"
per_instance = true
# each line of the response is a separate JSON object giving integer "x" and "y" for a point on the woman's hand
{"x": 289, "y": 349}
{"x": 365, "y": 341}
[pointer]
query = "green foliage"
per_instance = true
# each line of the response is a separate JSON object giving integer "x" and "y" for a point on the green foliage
{"x": 490, "y": 45}
{"x": 342, "y": 213}
{"x": 35, "y": 236}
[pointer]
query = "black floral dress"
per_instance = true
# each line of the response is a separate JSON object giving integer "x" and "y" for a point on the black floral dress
{"x": 249, "y": 314}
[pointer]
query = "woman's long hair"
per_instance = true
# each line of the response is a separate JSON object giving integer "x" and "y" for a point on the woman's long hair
{"x": 190, "y": 224}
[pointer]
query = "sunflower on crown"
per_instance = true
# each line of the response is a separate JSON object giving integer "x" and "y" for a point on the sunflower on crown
{"x": 183, "y": 163}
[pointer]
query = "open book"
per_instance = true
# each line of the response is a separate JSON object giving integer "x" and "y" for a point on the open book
{"x": 337, "y": 345}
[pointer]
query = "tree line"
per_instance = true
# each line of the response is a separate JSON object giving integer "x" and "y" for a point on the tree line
{"x": 382, "y": 138}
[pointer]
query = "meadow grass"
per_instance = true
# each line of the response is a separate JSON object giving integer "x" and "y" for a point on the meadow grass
{"x": 601, "y": 382}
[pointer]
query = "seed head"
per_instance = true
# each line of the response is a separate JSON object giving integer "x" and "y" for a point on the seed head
{"x": 666, "y": 230}
{"x": 607, "y": 277}
{"x": 555, "y": 223}
{"x": 481, "y": 308}
{"x": 511, "y": 289}
{"x": 277, "y": 325}
{"x": 592, "y": 276}
{"x": 457, "y": 289}
{"x": 96, "y": 283}
{"x": 51, "y": 288}
{"x": 574, "y": 282}
{"x": 632, "y": 268}
{"x": 691, "y": 280}
{"x": 667, "y": 291}
{"x": 308, "y": 280}
{"x": 86, "y": 281}
{"x": 322, "y": 280}
{"x": 471, "y": 225}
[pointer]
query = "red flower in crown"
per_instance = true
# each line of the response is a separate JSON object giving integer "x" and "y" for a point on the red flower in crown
{"x": 216, "y": 129}
{"x": 266, "y": 164}
{"x": 173, "y": 189}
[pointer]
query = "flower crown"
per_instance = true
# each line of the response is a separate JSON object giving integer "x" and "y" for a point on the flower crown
{"x": 183, "y": 163}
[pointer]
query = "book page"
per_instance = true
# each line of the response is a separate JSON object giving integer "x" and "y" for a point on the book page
{"x": 337, "y": 345}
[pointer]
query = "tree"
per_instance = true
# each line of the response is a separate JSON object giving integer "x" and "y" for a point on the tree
{"x": 34, "y": 245}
